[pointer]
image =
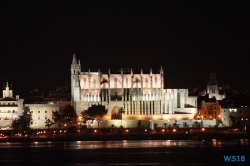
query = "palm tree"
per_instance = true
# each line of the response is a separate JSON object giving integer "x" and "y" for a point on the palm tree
{"x": 121, "y": 111}
{"x": 165, "y": 126}
{"x": 185, "y": 125}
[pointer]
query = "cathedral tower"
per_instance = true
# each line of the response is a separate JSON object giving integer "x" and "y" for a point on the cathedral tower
{"x": 75, "y": 85}
{"x": 212, "y": 86}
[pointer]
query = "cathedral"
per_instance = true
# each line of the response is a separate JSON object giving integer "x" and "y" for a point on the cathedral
{"x": 140, "y": 95}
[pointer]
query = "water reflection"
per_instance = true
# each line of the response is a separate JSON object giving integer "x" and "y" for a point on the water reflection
{"x": 120, "y": 144}
{"x": 218, "y": 143}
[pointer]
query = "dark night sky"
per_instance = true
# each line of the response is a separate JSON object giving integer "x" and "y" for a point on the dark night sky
{"x": 38, "y": 40}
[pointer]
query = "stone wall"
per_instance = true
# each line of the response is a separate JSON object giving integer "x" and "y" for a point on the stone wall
{"x": 149, "y": 123}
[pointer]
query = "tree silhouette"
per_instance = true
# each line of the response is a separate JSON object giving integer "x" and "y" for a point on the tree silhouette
{"x": 196, "y": 124}
{"x": 24, "y": 121}
{"x": 57, "y": 116}
{"x": 48, "y": 123}
{"x": 66, "y": 114}
{"x": 234, "y": 120}
{"x": 175, "y": 125}
{"x": 69, "y": 114}
{"x": 95, "y": 112}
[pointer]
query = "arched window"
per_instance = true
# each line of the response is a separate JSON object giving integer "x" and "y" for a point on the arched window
{"x": 94, "y": 83}
{"x": 146, "y": 82}
{"x": 126, "y": 82}
{"x": 115, "y": 82}
{"x": 136, "y": 82}
{"x": 84, "y": 82}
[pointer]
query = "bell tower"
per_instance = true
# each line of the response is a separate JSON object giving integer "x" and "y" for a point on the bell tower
{"x": 7, "y": 92}
{"x": 212, "y": 86}
{"x": 75, "y": 84}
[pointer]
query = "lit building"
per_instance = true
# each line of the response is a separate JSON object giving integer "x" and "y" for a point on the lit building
{"x": 40, "y": 113}
{"x": 208, "y": 111}
{"x": 236, "y": 116}
{"x": 10, "y": 108}
{"x": 141, "y": 95}
{"x": 213, "y": 89}
{"x": 43, "y": 106}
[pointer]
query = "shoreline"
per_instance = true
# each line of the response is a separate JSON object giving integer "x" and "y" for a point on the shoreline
{"x": 119, "y": 137}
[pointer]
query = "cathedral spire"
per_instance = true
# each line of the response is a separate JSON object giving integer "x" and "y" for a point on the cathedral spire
{"x": 161, "y": 70}
{"x": 74, "y": 59}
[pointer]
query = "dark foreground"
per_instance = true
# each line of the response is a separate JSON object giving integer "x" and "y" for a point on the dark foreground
{"x": 138, "y": 152}
{"x": 107, "y": 137}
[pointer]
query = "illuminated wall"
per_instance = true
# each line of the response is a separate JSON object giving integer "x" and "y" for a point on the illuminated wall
{"x": 40, "y": 113}
{"x": 10, "y": 108}
{"x": 141, "y": 95}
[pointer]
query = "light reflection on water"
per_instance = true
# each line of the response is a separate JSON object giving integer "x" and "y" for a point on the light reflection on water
{"x": 121, "y": 144}
{"x": 219, "y": 143}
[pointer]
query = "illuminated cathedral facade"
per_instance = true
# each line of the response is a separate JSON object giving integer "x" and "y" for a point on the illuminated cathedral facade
{"x": 140, "y": 95}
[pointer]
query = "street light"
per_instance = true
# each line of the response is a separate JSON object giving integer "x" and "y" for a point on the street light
{"x": 36, "y": 130}
{"x": 79, "y": 123}
{"x": 245, "y": 123}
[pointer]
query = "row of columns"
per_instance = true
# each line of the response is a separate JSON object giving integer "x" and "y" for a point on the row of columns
{"x": 145, "y": 97}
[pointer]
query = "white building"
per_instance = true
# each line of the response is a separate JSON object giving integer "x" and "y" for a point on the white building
{"x": 241, "y": 115}
{"x": 10, "y": 108}
{"x": 141, "y": 95}
{"x": 40, "y": 113}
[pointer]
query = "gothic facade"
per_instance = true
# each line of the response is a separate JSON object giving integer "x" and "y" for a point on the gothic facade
{"x": 141, "y": 95}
